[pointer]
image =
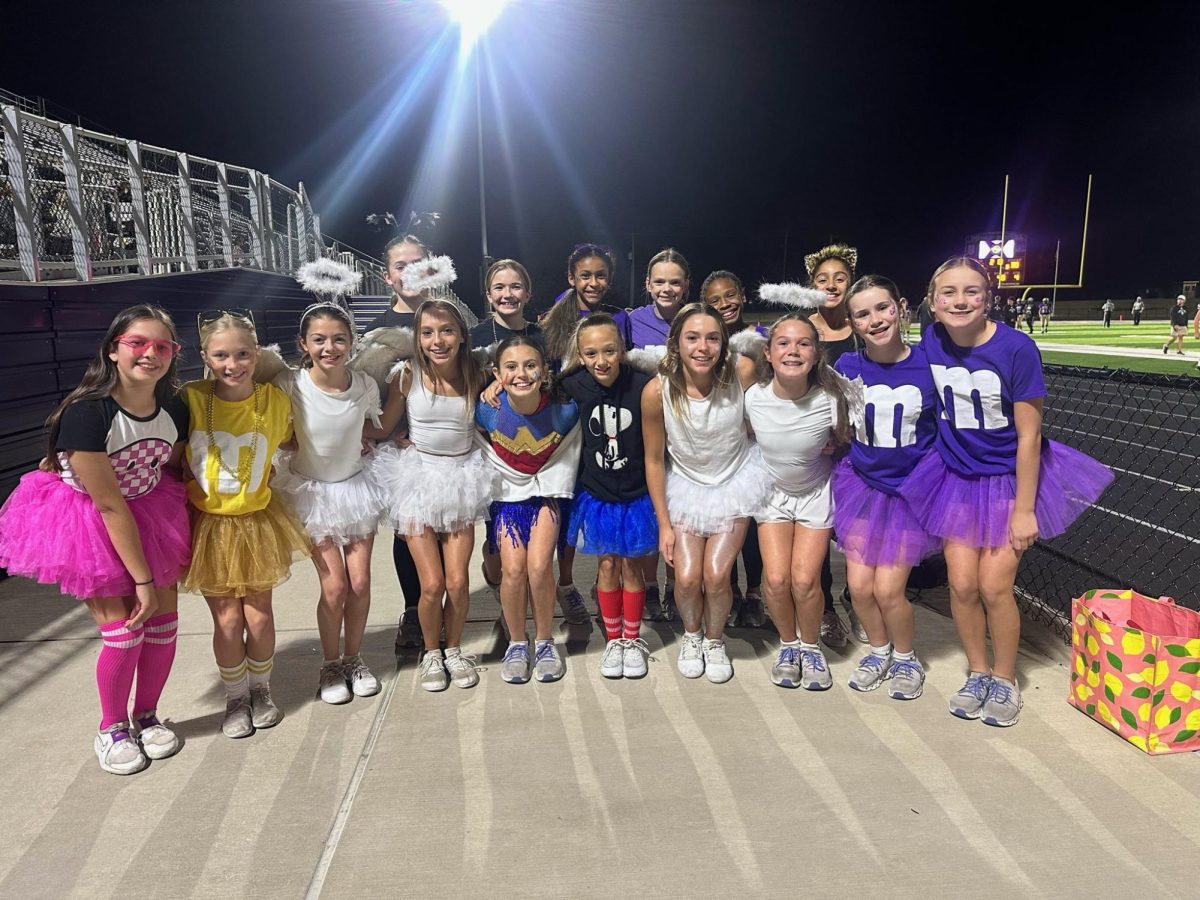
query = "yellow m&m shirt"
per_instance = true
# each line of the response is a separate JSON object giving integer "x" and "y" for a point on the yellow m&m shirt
{"x": 230, "y": 456}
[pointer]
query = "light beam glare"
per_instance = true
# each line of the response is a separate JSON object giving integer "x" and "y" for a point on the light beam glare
{"x": 473, "y": 17}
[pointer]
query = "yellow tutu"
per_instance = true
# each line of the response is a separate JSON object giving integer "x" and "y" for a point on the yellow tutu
{"x": 237, "y": 555}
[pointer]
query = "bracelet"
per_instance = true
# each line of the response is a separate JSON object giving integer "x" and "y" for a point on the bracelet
{"x": 144, "y": 583}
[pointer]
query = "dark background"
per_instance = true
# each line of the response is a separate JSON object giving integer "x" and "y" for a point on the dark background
{"x": 745, "y": 134}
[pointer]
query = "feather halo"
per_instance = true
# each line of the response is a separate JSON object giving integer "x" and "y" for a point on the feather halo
{"x": 792, "y": 295}
{"x": 328, "y": 277}
{"x": 429, "y": 274}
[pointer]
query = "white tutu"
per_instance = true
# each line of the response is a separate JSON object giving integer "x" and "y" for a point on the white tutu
{"x": 710, "y": 509}
{"x": 338, "y": 511}
{"x": 420, "y": 490}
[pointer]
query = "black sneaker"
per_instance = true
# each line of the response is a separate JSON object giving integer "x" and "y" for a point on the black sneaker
{"x": 653, "y": 610}
{"x": 735, "y": 608}
{"x": 670, "y": 610}
{"x": 408, "y": 635}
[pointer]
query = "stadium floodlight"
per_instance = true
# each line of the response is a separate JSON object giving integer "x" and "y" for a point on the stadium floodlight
{"x": 473, "y": 17}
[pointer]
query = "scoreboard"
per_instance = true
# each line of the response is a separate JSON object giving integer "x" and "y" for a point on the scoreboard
{"x": 1004, "y": 259}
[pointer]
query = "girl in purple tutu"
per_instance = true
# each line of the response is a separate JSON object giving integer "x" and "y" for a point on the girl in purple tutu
{"x": 105, "y": 518}
{"x": 995, "y": 485}
{"x": 875, "y": 528}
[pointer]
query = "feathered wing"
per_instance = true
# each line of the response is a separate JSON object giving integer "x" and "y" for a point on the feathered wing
{"x": 646, "y": 359}
{"x": 270, "y": 364}
{"x": 856, "y": 403}
{"x": 752, "y": 345}
{"x": 792, "y": 295}
{"x": 378, "y": 352}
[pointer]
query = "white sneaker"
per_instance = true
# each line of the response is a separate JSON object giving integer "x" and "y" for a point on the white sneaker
{"x": 612, "y": 663}
{"x": 634, "y": 662}
{"x": 263, "y": 711}
{"x": 363, "y": 682}
{"x": 716, "y": 662}
{"x": 333, "y": 687}
{"x": 691, "y": 656}
{"x": 118, "y": 751}
{"x": 432, "y": 671}
{"x": 157, "y": 740}
{"x": 461, "y": 668}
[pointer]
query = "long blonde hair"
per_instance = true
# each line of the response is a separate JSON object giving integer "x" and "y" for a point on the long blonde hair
{"x": 468, "y": 368}
{"x": 671, "y": 366}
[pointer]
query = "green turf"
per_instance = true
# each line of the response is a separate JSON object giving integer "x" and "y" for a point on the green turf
{"x": 1164, "y": 366}
{"x": 1147, "y": 336}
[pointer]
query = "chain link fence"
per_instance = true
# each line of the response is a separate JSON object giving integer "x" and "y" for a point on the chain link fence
{"x": 77, "y": 204}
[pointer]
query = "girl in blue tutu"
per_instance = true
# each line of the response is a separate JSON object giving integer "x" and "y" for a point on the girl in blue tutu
{"x": 995, "y": 485}
{"x": 104, "y": 517}
{"x": 875, "y": 527}
{"x": 612, "y": 516}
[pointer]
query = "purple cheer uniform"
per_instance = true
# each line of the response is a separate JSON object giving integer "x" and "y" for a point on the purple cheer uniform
{"x": 966, "y": 491}
{"x": 873, "y": 523}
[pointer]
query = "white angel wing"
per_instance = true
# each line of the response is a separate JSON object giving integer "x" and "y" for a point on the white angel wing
{"x": 646, "y": 359}
{"x": 856, "y": 404}
{"x": 379, "y": 351}
{"x": 270, "y": 364}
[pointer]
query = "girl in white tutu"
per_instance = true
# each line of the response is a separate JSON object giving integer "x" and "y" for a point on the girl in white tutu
{"x": 326, "y": 487}
{"x": 717, "y": 480}
{"x": 437, "y": 487}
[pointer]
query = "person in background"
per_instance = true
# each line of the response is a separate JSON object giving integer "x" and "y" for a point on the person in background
{"x": 1044, "y": 315}
{"x": 1107, "y": 309}
{"x": 1179, "y": 323}
{"x": 1139, "y": 307}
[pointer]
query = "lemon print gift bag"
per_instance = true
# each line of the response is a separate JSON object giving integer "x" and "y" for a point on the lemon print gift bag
{"x": 1136, "y": 668}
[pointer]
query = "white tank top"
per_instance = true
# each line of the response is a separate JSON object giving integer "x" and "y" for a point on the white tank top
{"x": 329, "y": 426}
{"x": 791, "y": 435}
{"x": 707, "y": 445}
{"x": 439, "y": 426}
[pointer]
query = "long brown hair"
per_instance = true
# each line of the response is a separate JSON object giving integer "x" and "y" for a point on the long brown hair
{"x": 822, "y": 375}
{"x": 100, "y": 378}
{"x": 671, "y": 366}
{"x": 558, "y": 325}
{"x": 468, "y": 368}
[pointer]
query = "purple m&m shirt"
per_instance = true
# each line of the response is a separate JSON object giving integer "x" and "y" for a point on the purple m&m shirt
{"x": 977, "y": 387}
{"x": 901, "y": 417}
{"x": 649, "y": 330}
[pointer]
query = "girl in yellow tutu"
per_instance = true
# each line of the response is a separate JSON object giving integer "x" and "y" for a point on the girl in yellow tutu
{"x": 243, "y": 542}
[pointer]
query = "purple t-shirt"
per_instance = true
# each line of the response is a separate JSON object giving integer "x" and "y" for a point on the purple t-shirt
{"x": 901, "y": 417}
{"x": 648, "y": 329}
{"x": 977, "y": 387}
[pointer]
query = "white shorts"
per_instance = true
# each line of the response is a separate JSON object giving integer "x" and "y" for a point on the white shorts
{"x": 812, "y": 508}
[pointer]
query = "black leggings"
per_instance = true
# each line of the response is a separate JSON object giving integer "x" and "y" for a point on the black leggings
{"x": 751, "y": 559}
{"x": 406, "y": 572}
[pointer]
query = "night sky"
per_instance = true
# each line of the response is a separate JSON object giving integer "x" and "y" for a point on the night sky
{"x": 743, "y": 133}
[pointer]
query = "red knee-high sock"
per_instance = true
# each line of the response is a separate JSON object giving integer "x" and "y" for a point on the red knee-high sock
{"x": 114, "y": 670}
{"x": 610, "y": 611}
{"x": 634, "y": 603}
{"x": 158, "y": 653}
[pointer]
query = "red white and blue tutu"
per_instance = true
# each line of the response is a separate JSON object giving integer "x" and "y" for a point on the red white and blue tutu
{"x": 423, "y": 490}
{"x": 54, "y": 534}
{"x": 975, "y": 511}
{"x": 875, "y": 528}
{"x": 600, "y": 528}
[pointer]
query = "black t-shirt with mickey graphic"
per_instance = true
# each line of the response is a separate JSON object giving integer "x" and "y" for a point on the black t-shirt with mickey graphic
{"x": 612, "y": 466}
{"x": 137, "y": 446}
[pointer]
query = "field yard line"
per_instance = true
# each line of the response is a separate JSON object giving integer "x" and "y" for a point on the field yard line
{"x": 1151, "y": 525}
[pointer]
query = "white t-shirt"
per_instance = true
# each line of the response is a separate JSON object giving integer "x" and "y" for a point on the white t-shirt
{"x": 791, "y": 435}
{"x": 328, "y": 426}
{"x": 708, "y": 444}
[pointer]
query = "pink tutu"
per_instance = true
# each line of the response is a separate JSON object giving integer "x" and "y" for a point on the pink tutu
{"x": 54, "y": 534}
{"x": 874, "y": 528}
{"x": 975, "y": 511}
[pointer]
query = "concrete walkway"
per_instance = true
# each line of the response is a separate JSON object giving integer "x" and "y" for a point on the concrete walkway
{"x": 588, "y": 787}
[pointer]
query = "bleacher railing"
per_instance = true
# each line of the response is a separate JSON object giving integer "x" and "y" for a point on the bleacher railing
{"x": 78, "y": 204}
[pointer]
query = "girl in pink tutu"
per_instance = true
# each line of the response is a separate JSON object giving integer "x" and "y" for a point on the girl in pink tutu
{"x": 995, "y": 485}
{"x": 875, "y": 528}
{"x": 105, "y": 518}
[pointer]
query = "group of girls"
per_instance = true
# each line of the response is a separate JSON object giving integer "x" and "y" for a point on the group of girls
{"x": 944, "y": 452}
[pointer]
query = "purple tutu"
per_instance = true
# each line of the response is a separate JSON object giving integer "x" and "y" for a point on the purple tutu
{"x": 975, "y": 511}
{"x": 874, "y": 528}
{"x": 54, "y": 534}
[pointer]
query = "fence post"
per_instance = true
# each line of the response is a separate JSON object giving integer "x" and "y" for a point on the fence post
{"x": 79, "y": 230}
{"x": 137, "y": 194}
{"x": 258, "y": 233}
{"x": 302, "y": 242}
{"x": 18, "y": 178}
{"x": 184, "y": 174}
{"x": 269, "y": 224}
{"x": 226, "y": 223}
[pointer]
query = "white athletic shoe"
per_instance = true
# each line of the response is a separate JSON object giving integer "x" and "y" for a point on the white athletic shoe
{"x": 118, "y": 751}
{"x": 612, "y": 663}
{"x": 691, "y": 656}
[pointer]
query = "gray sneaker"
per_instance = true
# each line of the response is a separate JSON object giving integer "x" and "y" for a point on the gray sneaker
{"x": 432, "y": 671}
{"x": 814, "y": 671}
{"x": 461, "y": 668}
{"x": 515, "y": 667}
{"x": 263, "y": 711}
{"x": 833, "y": 631}
{"x": 236, "y": 723}
{"x": 967, "y": 701}
{"x": 786, "y": 671}
{"x": 548, "y": 665}
{"x": 870, "y": 673}
{"x": 652, "y": 611}
{"x": 906, "y": 681}
{"x": 574, "y": 610}
{"x": 118, "y": 751}
{"x": 1002, "y": 707}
